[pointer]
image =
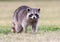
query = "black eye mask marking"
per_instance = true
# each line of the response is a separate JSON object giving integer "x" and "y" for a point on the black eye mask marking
{"x": 37, "y": 15}
{"x": 30, "y": 15}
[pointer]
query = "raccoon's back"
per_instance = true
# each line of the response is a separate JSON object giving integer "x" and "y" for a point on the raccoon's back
{"x": 20, "y": 13}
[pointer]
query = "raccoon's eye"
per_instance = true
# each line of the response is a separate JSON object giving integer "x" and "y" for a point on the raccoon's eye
{"x": 37, "y": 15}
{"x": 30, "y": 15}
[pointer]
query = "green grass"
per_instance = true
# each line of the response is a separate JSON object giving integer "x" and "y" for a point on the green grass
{"x": 48, "y": 28}
{"x": 5, "y": 29}
{"x": 45, "y": 28}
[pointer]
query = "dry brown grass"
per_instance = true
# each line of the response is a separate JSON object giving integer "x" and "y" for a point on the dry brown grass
{"x": 50, "y": 11}
{"x": 29, "y": 37}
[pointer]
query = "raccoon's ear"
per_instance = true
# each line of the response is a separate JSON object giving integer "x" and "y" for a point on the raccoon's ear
{"x": 28, "y": 9}
{"x": 39, "y": 10}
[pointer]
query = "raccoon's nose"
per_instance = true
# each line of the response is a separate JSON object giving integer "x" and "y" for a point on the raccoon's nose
{"x": 33, "y": 17}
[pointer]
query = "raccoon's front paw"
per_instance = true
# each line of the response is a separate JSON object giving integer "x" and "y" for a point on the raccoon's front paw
{"x": 34, "y": 31}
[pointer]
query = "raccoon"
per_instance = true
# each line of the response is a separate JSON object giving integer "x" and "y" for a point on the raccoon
{"x": 25, "y": 16}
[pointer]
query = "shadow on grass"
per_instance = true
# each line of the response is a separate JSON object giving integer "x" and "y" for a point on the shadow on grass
{"x": 7, "y": 29}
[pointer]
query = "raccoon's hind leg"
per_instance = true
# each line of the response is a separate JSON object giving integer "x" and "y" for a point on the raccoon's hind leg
{"x": 21, "y": 28}
{"x": 18, "y": 28}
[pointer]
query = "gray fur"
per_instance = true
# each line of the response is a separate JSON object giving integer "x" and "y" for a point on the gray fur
{"x": 21, "y": 19}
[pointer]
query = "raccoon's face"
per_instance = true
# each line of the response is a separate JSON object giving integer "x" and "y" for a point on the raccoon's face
{"x": 33, "y": 13}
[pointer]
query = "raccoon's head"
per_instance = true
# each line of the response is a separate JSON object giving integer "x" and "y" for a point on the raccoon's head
{"x": 33, "y": 13}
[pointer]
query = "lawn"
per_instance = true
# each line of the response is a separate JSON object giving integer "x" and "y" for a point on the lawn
{"x": 48, "y": 26}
